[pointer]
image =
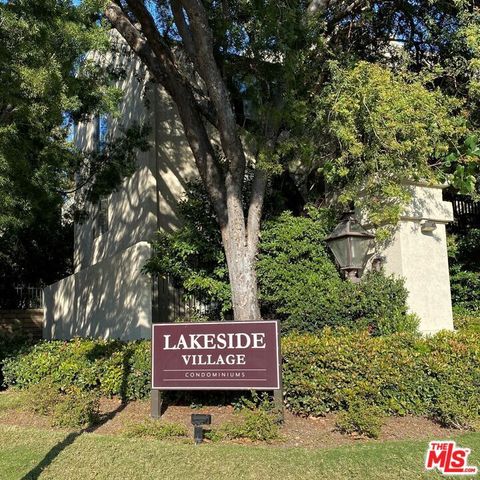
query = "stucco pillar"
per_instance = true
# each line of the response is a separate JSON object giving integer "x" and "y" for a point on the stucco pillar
{"x": 420, "y": 257}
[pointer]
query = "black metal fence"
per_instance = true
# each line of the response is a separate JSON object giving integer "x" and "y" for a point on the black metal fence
{"x": 171, "y": 302}
{"x": 174, "y": 304}
{"x": 466, "y": 211}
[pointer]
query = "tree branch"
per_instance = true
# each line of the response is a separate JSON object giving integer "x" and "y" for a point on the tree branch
{"x": 149, "y": 29}
{"x": 183, "y": 30}
{"x": 209, "y": 71}
{"x": 165, "y": 72}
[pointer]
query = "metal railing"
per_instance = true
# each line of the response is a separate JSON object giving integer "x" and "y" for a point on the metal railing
{"x": 465, "y": 211}
{"x": 28, "y": 297}
{"x": 174, "y": 304}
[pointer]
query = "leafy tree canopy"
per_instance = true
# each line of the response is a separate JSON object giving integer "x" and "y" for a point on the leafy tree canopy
{"x": 391, "y": 96}
{"x": 48, "y": 82}
{"x": 355, "y": 96}
{"x": 360, "y": 95}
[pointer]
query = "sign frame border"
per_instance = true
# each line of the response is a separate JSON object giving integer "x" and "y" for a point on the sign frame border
{"x": 278, "y": 370}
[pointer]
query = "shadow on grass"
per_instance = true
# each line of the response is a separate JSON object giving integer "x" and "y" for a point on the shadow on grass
{"x": 71, "y": 437}
{"x": 66, "y": 442}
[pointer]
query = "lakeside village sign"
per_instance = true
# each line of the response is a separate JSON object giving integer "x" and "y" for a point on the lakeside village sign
{"x": 215, "y": 356}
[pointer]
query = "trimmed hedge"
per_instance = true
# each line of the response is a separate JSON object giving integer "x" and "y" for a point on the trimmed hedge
{"x": 112, "y": 367}
{"x": 400, "y": 374}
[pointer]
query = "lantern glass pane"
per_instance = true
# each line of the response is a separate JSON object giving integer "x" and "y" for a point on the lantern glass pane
{"x": 360, "y": 247}
{"x": 339, "y": 248}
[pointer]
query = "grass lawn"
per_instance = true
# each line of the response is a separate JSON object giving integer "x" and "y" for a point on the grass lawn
{"x": 27, "y": 453}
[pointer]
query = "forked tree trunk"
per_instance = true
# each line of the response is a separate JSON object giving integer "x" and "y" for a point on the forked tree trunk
{"x": 224, "y": 185}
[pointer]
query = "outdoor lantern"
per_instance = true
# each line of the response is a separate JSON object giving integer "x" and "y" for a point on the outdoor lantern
{"x": 428, "y": 226}
{"x": 350, "y": 244}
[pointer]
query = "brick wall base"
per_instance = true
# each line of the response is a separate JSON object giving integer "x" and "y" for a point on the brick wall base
{"x": 28, "y": 323}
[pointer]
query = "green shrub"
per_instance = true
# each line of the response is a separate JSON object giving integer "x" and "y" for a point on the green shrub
{"x": 156, "y": 429}
{"x": 42, "y": 397}
{"x": 255, "y": 425}
{"x": 360, "y": 418}
{"x": 72, "y": 408}
{"x": 465, "y": 288}
{"x": 75, "y": 362}
{"x": 254, "y": 400}
{"x": 400, "y": 374}
{"x": 76, "y": 408}
{"x": 300, "y": 284}
{"x": 451, "y": 411}
{"x": 10, "y": 345}
{"x": 464, "y": 249}
{"x": 464, "y": 261}
{"x": 138, "y": 383}
{"x": 466, "y": 320}
{"x": 113, "y": 367}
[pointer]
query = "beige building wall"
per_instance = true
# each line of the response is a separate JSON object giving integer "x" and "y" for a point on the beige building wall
{"x": 420, "y": 257}
{"x": 109, "y": 296}
{"x": 111, "y": 299}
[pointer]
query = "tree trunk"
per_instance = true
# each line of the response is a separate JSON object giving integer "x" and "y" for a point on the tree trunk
{"x": 242, "y": 276}
{"x": 239, "y": 235}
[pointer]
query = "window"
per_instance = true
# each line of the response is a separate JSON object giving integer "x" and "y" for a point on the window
{"x": 100, "y": 223}
{"x": 102, "y": 131}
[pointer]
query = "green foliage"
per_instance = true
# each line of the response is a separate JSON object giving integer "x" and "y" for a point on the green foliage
{"x": 71, "y": 408}
{"x": 40, "y": 47}
{"x": 465, "y": 288}
{"x": 42, "y": 397}
{"x": 377, "y": 129}
{"x": 253, "y": 401}
{"x": 460, "y": 167}
{"x": 111, "y": 366}
{"x": 360, "y": 418}
{"x": 156, "y": 429}
{"x": 255, "y": 425}
{"x": 464, "y": 320}
{"x": 298, "y": 280}
{"x": 467, "y": 250}
{"x": 49, "y": 81}
{"x": 400, "y": 374}
{"x": 464, "y": 260}
{"x": 453, "y": 412}
{"x": 300, "y": 284}
{"x": 103, "y": 171}
{"x": 11, "y": 345}
{"x": 193, "y": 256}
{"x": 369, "y": 114}
{"x": 76, "y": 408}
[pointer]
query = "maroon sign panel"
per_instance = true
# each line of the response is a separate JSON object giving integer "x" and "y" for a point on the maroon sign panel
{"x": 216, "y": 356}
